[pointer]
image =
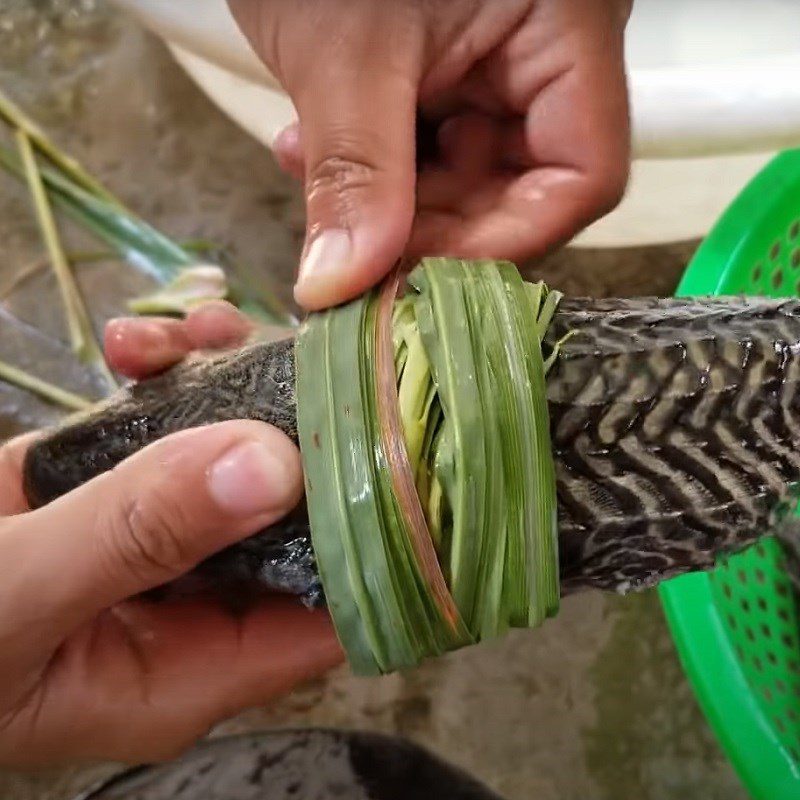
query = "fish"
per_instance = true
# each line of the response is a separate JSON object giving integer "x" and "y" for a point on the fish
{"x": 675, "y": 427}
{"x": 297, "y": 765}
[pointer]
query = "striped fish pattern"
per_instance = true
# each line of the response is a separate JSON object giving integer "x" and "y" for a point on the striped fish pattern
{"x": 675, "y": 428}
{"x": 676, "y": 431}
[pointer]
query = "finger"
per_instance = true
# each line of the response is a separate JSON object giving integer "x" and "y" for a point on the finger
{"x": 12, "y": 455}
{"x": 163, "y": 675}
{"x": 216, "y": 325}
{"x": 287, "y": 147}
{"x": 468, "y": 143}
{"x": 574, "y": 150}
{"x": 574, "y": 100}
{"x": 138, "y": 347}
{"x": 506, "y": 218}
{"x": 358, "y": 139}
{"x": 206, "y": 666}
{"x": 149, "y": 520}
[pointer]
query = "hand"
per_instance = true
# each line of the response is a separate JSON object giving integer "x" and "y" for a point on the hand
{"x": 88, "y": 672}
{"x": 531, "y": 105}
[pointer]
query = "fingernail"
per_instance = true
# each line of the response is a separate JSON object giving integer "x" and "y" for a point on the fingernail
{"x": 250, "y": 480}
{"x": 150, "y": 334}
{"x": 321, "y": 269}
{"x": 287, "y": 137}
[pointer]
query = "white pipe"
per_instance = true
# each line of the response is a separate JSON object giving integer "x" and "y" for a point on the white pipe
{"x": 747, "y": 105}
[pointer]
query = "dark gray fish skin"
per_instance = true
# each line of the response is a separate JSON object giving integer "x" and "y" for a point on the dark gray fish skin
{"x": 676, "y": 433}
{"x": 675, "y": 427}
{"x": 255, "y": 382}
{"x": 297, "y": 765}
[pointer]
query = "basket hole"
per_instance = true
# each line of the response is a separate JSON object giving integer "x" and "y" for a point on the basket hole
{"x": 794, "y": 230}
{"x": 782, "y": 589}
{"x": 777, "y": 279}
{"x": 767, "y": 694}
{"x": 765, "y": 630}
{"x": 780, "y": 686}
{"x": 775, "y": 250}
{"x": 742, "y": 576}
{"x": 732, "y": 623}
{"x": 745, "y": 603}
{"x": 792, "y": 714}
{"x": 740, "y": 652}
{"x": 758, "y": 664}
{"x": 780, "y": 724}
{"x": 762, "y": 603}
{"x": 760, "y": 576}
{"x": 772, "y": 658}
{"x": 726, "y": 590}
{"x": 760, "y": 550}
{"x": 748, "y": 632}
{"x": 758, "y": 271}
{"x": 783, "y": 614}
{"x": 788, "y": 641}
{"x": 793, "y": 752}
{"x": 796, "y": 257}
{"x": 794, "y": 665}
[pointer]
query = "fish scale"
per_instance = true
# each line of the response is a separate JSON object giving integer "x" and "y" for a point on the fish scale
{"x": 670, "y": 406}
{"x": 674, "y": 425}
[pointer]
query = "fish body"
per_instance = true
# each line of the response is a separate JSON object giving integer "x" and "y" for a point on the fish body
{"x": 675, "y": 426}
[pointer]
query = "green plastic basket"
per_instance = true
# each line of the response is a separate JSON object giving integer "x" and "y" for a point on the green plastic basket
{"x": 736, "y": 628}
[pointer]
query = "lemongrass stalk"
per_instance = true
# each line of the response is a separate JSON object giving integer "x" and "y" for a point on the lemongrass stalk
{"x": 19, "y": 120}
{"x": 26, "y": 272}
{"x": 138, "y": 243}
{"x": 52, "y": 242}
{"x": 81, "y": 332}
{"x": 48, "y": 391}
{"x": 192, "y": 287}
{"x": 34, "y": 267}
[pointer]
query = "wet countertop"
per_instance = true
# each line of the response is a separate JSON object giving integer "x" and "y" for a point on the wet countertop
{"x": 594, "y": 706}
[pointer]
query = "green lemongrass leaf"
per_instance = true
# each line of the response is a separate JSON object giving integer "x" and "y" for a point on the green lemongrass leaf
{"x": 536, "y": 293}
{"x": 554, "y": 353}
{"x": 384, "y": 613}
{"x": 500, "y": 578}
{"x": 415, "y": 397}
{"x": 192, "y": 287}
{"x": 335, "y": 457}
{"x": 530, "y": 466}
{"x": 69, "y": 294}
{"x": 47, "y": 391}
{"x": 17, "y": 118}
{"x": 481, "y": 334}
{"x": 546, "y": 311}
{"x": 428, "y": 631}
{"x": 132, "y": 239}
{"x": 472, "y": 411}
{"x": 441, "y": 314}
{"x": 82, "y": 336}
{"x": 545, "y": 561}
{"x": 139, "y": 244}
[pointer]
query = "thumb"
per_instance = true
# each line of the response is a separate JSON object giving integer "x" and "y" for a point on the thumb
{"x": 149, "y": 520}
{"x": 357, "y": 116}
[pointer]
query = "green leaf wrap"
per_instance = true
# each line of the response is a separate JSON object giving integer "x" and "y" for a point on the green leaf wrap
{"x": 471, "y": 376}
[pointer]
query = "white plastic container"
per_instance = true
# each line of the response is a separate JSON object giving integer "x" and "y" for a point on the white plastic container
{"x": 715, "y": 92}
